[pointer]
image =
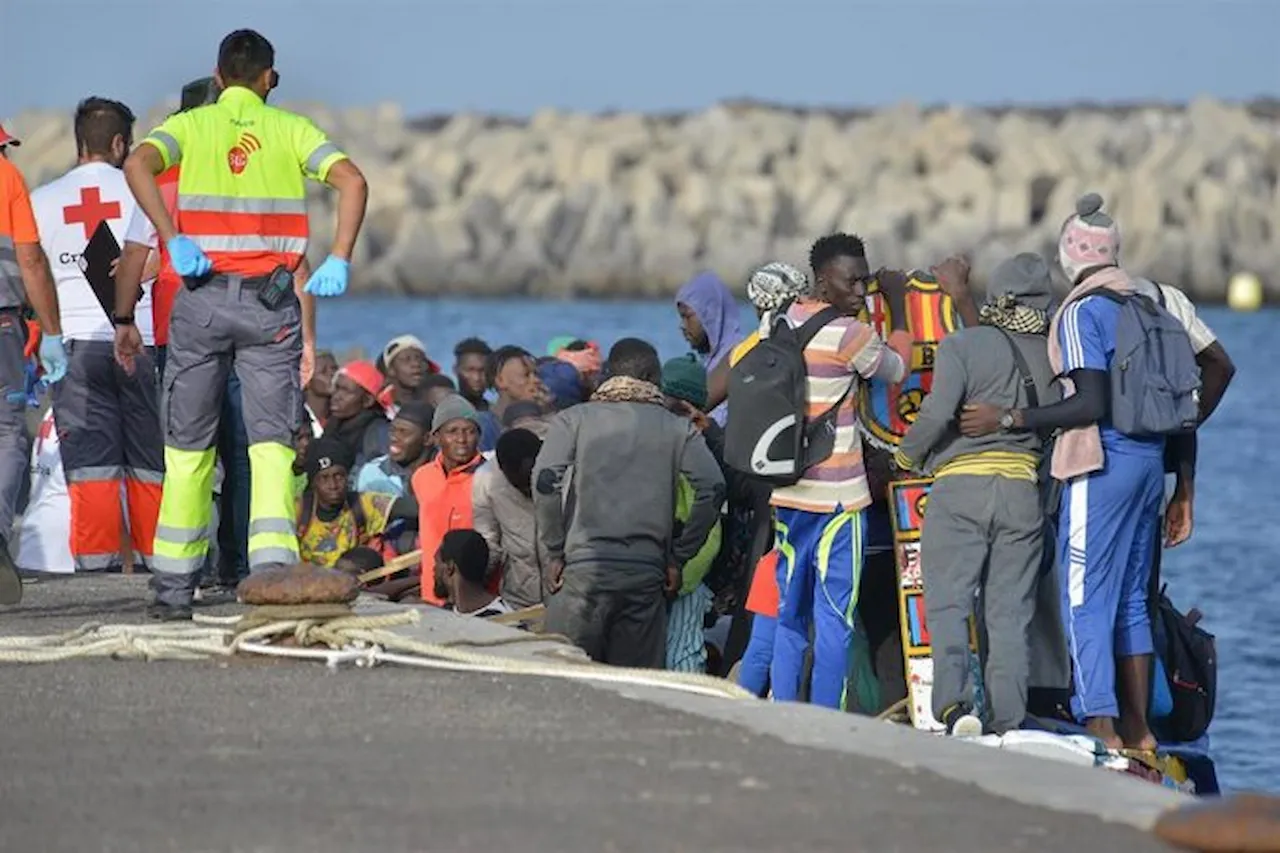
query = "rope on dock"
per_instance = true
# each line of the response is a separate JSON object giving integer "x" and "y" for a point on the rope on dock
{"x": 333, "y": 635}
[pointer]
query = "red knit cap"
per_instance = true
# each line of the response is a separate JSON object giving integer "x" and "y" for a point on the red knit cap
{"x": 364, "y": 374}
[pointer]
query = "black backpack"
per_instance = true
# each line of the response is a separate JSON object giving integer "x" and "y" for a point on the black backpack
{"x": 1190, "y": 658}
{"x": 767, "y": 435}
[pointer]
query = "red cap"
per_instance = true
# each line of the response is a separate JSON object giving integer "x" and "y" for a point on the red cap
{"x": 364, "y": 374}
{"x": 7, "y": 138}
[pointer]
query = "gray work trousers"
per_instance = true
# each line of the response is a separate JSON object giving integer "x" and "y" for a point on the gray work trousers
{"x": 219, "y": 327}
{"x": 14, "y": 436}
{"x": 982, "y": 533}
{"x": 616, "y": 613}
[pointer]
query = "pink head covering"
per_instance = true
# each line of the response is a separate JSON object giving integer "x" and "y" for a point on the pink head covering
{"x": 587, "y": 361}
{"x": 1089, "y": 239}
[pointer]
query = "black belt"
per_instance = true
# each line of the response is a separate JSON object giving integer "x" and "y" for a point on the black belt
{"x": 247, "y": 282}
{"x": 251, "y": 282}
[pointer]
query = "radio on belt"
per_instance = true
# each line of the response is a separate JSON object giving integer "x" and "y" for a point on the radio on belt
{"x": 277, "y": 289}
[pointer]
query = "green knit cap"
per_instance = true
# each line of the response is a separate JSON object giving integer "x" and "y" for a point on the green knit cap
{"x": 685, "y": 379}
{"x": 558, "y": 343}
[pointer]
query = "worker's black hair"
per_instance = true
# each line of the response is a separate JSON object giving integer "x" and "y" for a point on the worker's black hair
{"x": 498, "y": 359}
{"x": 635, "y": 358}
{"x": 243, "y": 56}
{"x": 98, "y": 121}
{"x": 578, "y": 345}
{"x": 438, "y": 380}
{"x": 468, "y": 552}
{"x": 472, "y": 346}
{"x": 833, "y": 246}
{"x": 516, "y": 447}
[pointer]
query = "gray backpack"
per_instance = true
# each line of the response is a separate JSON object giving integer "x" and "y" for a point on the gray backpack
{"x": 1155, "y": 381}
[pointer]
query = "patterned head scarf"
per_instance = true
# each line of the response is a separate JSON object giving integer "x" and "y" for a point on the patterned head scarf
{"x": 775, "y": 284}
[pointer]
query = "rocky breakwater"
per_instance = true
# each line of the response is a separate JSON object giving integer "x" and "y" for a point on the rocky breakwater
{"x": 632, "y": 205}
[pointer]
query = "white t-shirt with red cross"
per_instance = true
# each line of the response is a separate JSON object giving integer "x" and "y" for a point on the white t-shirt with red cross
{"x": 68, "y": 211}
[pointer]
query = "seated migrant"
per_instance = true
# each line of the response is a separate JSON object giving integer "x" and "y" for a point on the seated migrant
{"x": 331, "y": 519}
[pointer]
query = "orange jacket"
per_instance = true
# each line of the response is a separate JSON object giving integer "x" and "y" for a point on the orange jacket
{"x": 444, "y": 504}
{"x": 762, "y": 599}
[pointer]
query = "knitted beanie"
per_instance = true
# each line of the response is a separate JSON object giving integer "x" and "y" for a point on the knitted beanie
{"x": 685, "y": 379}
{"x": 561, "y": 379}
{"x": 1089, "y": 239}
{"x": 327, "y": 452}
{"x": 418, "y": 413}
{"x": 453, "y": 408}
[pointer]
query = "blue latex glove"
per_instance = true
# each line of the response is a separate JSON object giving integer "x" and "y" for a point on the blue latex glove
{"x": 330, "y": 278}
{"x": 187, "y": 259}
{"x": 53, "y": 358}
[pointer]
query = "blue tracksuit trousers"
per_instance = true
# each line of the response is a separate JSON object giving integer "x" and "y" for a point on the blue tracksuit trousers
{"x": 1108, "y": 524}
{"x": 819, "y": 568}
{"x": 753, "y": 675}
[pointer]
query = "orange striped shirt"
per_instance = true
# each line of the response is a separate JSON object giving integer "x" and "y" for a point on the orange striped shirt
{"x": 844, "y": 351}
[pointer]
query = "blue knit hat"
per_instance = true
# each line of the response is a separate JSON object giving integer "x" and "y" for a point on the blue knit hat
{"x": 563, "y": 381}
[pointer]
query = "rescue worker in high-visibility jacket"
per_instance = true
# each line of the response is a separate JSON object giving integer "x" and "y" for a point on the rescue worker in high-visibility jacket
{"x": 242, "y": 208}
{"x": 145, "y": 257}
{"x": 24, "y": 277}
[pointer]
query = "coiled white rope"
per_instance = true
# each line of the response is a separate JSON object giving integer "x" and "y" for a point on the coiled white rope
{"x": 363, "y": 640}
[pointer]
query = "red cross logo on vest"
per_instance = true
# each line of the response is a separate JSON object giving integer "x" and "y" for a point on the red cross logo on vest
{"x": 91, "y": 212}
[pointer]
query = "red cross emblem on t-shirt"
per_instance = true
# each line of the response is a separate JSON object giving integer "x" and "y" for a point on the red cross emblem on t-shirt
{"x": 91, "y": 212}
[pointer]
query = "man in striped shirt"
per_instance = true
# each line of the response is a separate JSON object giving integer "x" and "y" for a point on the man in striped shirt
{"x": 820, "y": 519}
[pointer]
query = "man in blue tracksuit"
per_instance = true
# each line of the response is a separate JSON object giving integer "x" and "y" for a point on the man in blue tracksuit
{"x": 1114, "y": 486}
{"x": 1108, "y": 524}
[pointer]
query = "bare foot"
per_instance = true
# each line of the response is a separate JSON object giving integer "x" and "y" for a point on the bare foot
{"x": 1136, "y": 735}
{"x": 1104, "y": 729}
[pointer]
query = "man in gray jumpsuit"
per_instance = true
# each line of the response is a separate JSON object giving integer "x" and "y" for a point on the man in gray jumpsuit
{"x": 604, "y": 493}
{"x": 983, "y": 527}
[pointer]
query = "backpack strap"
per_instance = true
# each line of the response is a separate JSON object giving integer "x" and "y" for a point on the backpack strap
{"x": 810, "y": 328}
{"x": 804, "y": 335}
{"x": 1145, "y": 302}
{"x": 1024, "y": 370}
{"x": 1108, "y": 293}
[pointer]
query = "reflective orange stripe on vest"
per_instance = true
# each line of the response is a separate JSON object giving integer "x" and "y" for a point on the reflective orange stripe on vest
{"x": 254, "y": 233}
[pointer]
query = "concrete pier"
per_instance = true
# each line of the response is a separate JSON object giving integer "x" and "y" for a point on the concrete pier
{"x": 254, "y": 754}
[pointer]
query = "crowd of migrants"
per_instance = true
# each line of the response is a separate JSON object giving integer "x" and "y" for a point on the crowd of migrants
{"x": 595, "y": 482}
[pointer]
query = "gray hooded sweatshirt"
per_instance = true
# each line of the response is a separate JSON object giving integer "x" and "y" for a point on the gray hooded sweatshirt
{"x": 977, "y": 365}
{"x": 605, "y": 486}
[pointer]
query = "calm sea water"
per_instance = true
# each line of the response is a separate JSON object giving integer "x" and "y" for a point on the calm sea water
{"x": 1225, "y": 569}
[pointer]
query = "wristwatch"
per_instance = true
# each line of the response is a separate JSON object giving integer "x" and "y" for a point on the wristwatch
{"x": 1006, "y": 419}
{"x": 119, "y": 320}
